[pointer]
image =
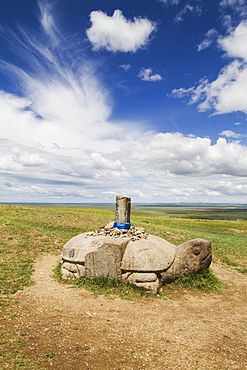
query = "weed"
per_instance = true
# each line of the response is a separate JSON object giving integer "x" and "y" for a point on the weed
{"x": 203, "y": 280}
{"x": 130, "y": 352}
{"x": 242, "y": 271}
{"x": 50, "y": 354}
{"x": 57, "y": 273}
{"x": 110, "y": 288}
{"x": 226, "y": 260}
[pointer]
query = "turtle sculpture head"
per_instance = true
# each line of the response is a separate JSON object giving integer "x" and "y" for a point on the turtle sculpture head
{"x": 192, "y": 256}
{"x": 146, "y": 261}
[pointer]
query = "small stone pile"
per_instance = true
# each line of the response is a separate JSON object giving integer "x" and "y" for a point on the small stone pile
{"x": 134, "y": 233}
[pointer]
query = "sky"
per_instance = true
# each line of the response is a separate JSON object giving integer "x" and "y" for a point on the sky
{"x": 143, "y": 98}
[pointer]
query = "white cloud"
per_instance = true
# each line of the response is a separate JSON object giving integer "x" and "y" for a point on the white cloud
{"x": 228, "y": 93}
{"x": 187, "y": 9}
{"x": 237, "y": 6}
{"x": 235, "y": 43}
{"x": 146, "y": 74}
{"x": 103, "y": 163}
{"x": 231, "y": 188}
{"x": 7, "y": 163}
{"x": 59, "y": 144}
{"x": 210, "y": 36}
{"x": 170, "y": 2}
{"x": 32, "y": 159}
{"x": 234, "y": 135}
{"x": 46, "y": 20}
{"x": 65, "y": 105}
{"x": 126, "y": 67}
{"x": 48, "y": 136}
{"x": 232, "y": 2}
{"x": 177, "y": 154}
{"x": 116, "y": 33}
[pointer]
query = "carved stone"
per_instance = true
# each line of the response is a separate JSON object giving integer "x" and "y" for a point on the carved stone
{"x": 123, "y": 207}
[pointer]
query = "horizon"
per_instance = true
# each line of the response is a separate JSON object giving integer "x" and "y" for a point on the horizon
{"x": 161, "y": 204}
{"x": 146, "y": 98}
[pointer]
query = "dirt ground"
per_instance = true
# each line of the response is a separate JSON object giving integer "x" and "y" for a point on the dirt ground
{"x": 67, "y": 328}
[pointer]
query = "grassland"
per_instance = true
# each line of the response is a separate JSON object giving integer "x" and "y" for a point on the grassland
{"x": 27, "y": 231}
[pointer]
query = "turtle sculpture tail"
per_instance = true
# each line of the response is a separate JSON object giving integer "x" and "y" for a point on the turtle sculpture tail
{"x": 191, "y": 256}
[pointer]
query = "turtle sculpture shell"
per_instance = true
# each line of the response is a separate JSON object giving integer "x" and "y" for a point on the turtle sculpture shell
{"x": 147, "y": 262}
{"x": 151, "y": 254}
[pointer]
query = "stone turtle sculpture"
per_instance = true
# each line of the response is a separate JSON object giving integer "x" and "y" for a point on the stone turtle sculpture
{"x": 143, "y": 260}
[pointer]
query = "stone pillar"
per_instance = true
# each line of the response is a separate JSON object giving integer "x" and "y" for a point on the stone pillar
{"x": 123, "y": 206}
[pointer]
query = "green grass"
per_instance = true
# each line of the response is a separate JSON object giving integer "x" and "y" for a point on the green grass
{"x": 27, "y": 231}
{"x": 242, "y": 271}
{"x": 210, "y": 213}
{"x": 110, "y": 288}
{"x": 204, "y": 281}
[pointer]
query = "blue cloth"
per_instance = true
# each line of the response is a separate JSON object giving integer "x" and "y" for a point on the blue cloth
{"x": 121, "y": 226}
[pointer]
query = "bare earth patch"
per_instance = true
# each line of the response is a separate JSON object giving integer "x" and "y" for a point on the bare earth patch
{"x": 68, "y": 328}
{"x": 238, "y": 231}
{"x": 175, "y": 236}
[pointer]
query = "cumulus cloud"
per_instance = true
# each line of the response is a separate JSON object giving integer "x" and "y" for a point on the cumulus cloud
{"x": 146, "y": 74}
{"x": 31, "y": 159}
{"x": 180, "y": 155}
{"x": 116, "y": 33}
{"x": 228, "y": 92}
{"x": 224, "y": 95}
{"x": 235, "y": 43}
{"x": 234, "y": 135}
{"x": 8, "y": 163}
{"x": 104, "y": 163}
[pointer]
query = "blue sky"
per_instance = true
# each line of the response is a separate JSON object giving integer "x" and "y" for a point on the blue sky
{"x": 144, "y": 98}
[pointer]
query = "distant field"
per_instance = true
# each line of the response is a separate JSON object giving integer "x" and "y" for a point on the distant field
{"x": 26, "y": 231}
{"x": 210, "y": 213}
{"x": 205, "y": 212}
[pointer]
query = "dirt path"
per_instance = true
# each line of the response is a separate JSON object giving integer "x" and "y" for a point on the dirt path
{"x": 74, "y": 329}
